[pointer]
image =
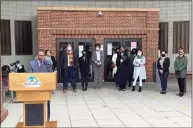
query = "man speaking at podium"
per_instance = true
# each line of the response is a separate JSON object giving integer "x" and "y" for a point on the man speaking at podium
{"x": 39, "y": 64}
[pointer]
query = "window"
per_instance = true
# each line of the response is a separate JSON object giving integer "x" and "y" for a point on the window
{"x": 163, "y": 36}
{"x": 5, "y": 37}
{"x": 181, "y": 36}
{"x": 23, "y": 38}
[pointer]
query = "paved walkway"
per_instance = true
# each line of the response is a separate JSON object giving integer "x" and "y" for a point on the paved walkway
{"x": 111, "y": 108}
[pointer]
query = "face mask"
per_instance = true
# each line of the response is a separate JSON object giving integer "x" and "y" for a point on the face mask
{"x": 139, "y": 54}
{"x": 97, "y": 49}
{"x": 181, "y": 53}
{"x": 84, "y": 54}
{"x": 163, "y": 55}
{"x": 69, "y": 48}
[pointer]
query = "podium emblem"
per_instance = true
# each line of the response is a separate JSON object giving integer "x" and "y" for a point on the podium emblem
{"x": 32, "y": 81}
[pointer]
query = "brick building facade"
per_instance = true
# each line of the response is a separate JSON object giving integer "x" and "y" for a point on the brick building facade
{"x": 54, "y": 22}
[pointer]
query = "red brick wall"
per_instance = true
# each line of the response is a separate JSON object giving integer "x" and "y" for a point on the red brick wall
{"x": 64, "y": 23}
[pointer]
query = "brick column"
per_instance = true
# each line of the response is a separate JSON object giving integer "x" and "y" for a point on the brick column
{"x": 4, "y": 112}
{"x": 152, "y": 42}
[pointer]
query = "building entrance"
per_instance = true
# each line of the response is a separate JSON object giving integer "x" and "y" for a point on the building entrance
{"x": 78, "y": 46}
{"x": 110, "y": 45}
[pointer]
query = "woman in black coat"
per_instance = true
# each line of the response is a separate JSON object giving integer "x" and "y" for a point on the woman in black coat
{"x": 163, "y": 65}
{"x": 123, "y": 73}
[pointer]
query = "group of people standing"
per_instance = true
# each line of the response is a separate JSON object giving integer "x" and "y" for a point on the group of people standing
{"x": 180, "y": 66}
{"x": 69, "y": 64}
{"x": 128, "y": 67}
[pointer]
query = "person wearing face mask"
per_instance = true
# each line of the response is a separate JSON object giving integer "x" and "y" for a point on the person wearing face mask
{"x": 98, "y": 61}
{"x": 84, "y": 70}
{"x": 163, "y": 65}
{"x": 123, "y": 72}
{"x": 139, "y": 70}
{"x": 180, "y": 66}
{"x": 69, "y": 64}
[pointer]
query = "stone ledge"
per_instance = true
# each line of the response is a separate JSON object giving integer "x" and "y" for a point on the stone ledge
{"x": 4, "y": 114}
{"x": 97, "y": 9}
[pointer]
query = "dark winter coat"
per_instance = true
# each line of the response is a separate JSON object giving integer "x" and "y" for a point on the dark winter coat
{"x": 123, "y": 72}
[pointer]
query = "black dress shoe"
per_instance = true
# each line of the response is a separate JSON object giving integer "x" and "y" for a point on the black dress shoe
{"x": 139, "y": 89}
{"x": 181, "y": 94}
{"x": 178, "y": 94}
{"x": 133, "y": 88}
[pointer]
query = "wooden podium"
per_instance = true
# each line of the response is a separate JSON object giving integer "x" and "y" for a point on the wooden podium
{"x": 34, "y": 90}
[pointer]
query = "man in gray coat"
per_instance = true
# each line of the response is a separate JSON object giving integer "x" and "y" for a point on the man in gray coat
{"x": 98, "y": 62}
{"x": 39, "y": 64}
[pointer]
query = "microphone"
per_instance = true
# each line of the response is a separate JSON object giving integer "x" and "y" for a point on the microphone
{"x": 12, "y": 64}
{"x": 17, "y": 62}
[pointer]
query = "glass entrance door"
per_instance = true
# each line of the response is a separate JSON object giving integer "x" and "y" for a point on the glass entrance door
{"x": 110, "y": 45}
{"x": 78, "y": 46}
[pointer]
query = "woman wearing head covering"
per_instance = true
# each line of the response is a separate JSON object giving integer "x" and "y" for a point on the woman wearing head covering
{"x": 123, "y": 73}
{"x": 139, "y": 70}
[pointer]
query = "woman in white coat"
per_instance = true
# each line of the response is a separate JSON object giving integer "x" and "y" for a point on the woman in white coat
{"x": 139, "y": 70}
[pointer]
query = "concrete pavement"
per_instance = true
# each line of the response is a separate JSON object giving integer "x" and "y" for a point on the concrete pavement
{"x": 112, "y": 108}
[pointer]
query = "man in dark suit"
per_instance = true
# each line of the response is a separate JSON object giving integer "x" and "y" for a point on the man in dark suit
{"x": 39, "y": 64}
{"x": 98, "y": 61}
{"x": 84, "y": 70}
{"x": 68, "y": 63}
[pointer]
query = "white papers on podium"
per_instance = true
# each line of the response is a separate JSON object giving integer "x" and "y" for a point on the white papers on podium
{"x": 109, "y": 49}
{"x": 133, "y": 45}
